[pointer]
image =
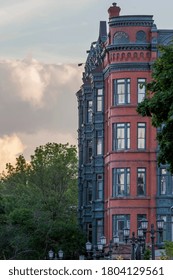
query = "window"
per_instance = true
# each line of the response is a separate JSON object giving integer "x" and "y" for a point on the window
{"x": 141, "y": 89}
{"x": 99, "y": 100}
{"x": 121, "y": 182}
{"x": 99, "y": 229}
{"x": 141, "y": 136}
{"x": 121, "y": 93}
{"x": 140, "y": 36}
{"x": 99, "y": 142}
{"x": 141, "y": 181}
{"x": 119, "y": 223}
{"x": 89, "y": 192}
{"x": 120, "y": 37}
{"x": 89, "y": 151}
{"x": 163, "y": 181}
{"x": 99, "y": 187}
{"x": 89, "y": 111}
{"x": 89, "y": 232}
{"x": 121, "y": 136}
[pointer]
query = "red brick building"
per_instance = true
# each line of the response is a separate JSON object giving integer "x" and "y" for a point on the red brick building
{"x": 130, "y": 140}
{"x": 118, "y": 169}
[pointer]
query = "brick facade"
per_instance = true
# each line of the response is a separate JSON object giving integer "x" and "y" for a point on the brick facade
{"x": 122, "y": 145}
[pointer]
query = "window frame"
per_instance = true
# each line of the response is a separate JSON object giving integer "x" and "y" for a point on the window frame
{"x": 163, "y": 181}
{"x": 141, "y": 91}
{"x": 89, "y": 151}
{"x": 89, "y": 230}
{"x": 141, "y": 125}
{"x": 99, "y": 187}
{"x": 117, "y": 83}
{"x": 99, "y": 229}
{"x": 117, "y": 189}
{"x": 89, "y": 111}
{"x": 99, "y": 143}
{"x": 89, "y": 193}
{"x": 141, "y": 170}
{"x": 116, "y": 220}
{"x": 118, "y": 129}
{"x": 99, "y": 100}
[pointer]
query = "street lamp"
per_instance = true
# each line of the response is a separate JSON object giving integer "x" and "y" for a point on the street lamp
{"x": 140, "y": 232}
{"x": 134, "y": 240}
{"x": 53, "y": 256}
{"x": 144, "y": 226}
{"x": 103, "y": 240}
{"x": 98, "y": 251}
{"x": 116, "y": 240}
{"x": 88, "y": 247}
{"x": 112, "y": 243}
{"x": 60, "y": 254}
{"x": 126, "y": 233}
{"x": 160, "y": 225}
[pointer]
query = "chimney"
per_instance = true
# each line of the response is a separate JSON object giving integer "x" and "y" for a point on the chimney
{"x": 114, "y": 11}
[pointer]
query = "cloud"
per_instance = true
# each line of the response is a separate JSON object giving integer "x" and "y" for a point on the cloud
{"x": 31, "y": 80}
{"x": 38, "y": 104}
{"x": 36, "y": 96}
{"x": 10, "y": 147}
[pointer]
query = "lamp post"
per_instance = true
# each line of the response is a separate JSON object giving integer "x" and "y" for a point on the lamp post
{"x": 88, "y": 247}
{"x": 134, "y": 240}
{"x": 53, "y": 256}
{"x": 113, "y": 243}
{"x": 99, "y": 249}
{"x": 152, "y": 231}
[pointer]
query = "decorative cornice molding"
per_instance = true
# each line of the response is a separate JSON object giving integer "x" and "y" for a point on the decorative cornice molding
{"x": 126, "y": 67}
{"x": 129, "y": 47}
{"x": 131, "y": 21}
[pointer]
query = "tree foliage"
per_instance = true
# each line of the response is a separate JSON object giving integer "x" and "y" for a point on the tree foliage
{"x": 169, "y": 249}
{"x": 158, "y": 104}
{"x": 38, "y": 205}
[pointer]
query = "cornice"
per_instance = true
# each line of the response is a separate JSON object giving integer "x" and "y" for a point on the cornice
{"x": 129, "y": 47}
{"x": 132, "y": 66}
{"x": 140, "y": 20}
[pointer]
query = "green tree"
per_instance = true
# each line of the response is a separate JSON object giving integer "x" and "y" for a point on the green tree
{"x": 38, "y": 205}
{"x": 158, "y": 104}
{"x": 169, "y": 249}
{"x": 147, "y": 254}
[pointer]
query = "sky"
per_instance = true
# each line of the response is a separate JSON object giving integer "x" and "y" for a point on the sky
{"x": 41, "y": 44}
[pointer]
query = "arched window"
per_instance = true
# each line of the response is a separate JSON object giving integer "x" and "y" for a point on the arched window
{"x": 121, "y": 38}
{"x": 141, "y": 36}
